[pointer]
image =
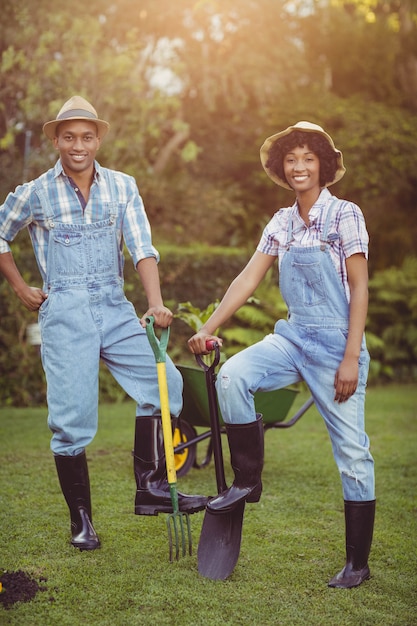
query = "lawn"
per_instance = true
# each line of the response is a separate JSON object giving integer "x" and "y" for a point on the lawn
{"x": 293, "y": 540}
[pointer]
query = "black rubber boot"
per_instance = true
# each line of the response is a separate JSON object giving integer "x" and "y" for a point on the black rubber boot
{"x": 75, "y": 485}
{"x": 359, "y": 520}
{"x": 152, "y": 494}
{"x": 246, "y": 444}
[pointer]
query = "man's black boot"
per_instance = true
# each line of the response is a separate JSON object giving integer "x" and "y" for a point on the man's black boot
{"x": 153, "y": 494}
{"x": 75, "y": 485}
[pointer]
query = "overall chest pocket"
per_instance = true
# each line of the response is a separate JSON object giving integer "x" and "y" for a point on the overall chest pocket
{"x": 101, "y": 250}
{"x": 68, "y": 254}
{"x": 307, "y": 283}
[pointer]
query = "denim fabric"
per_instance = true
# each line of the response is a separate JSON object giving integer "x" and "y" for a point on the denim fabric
{"x": 87, "y": 317}
{"x": 308, "y": 346}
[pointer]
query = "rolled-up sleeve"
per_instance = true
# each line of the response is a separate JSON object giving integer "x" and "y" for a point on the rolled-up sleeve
{"x": 352, "y": 229}
{"x": 15, "y": 215}
{"x": 275, "y": 233}
{"x": 136, "y": 227}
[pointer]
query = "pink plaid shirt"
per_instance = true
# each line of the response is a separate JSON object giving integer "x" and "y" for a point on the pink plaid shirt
{"x": 347, "y": 232}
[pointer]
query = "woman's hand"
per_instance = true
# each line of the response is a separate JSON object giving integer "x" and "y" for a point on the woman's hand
{"x": 346, "y": 379}
{"x": 197, "y": 343}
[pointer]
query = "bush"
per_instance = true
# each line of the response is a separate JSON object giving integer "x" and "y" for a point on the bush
{"x": 392, "y": 322}
{"x": 198, "y": 276}
{"x": 22, "y": 381}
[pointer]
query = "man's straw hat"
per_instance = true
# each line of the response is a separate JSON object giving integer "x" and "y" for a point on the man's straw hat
{"x": 76, "y": 108}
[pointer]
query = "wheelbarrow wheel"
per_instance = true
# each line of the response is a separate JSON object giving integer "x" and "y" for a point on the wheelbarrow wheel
{"x": 185, "y": 459}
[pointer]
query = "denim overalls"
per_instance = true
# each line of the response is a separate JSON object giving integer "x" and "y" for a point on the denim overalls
{"x": 308, "y": 346}
{"x": 87, "y": 317}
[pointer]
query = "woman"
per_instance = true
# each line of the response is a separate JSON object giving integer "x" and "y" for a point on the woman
{"x": 322, "y": 246}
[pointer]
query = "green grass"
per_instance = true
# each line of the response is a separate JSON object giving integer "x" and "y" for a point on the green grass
{"x": 293, "y": 540}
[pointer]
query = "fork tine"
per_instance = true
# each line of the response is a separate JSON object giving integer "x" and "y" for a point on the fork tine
{"x": 179, "y": 530}
{"x": 181, "y": 521}
{"x": 172, "y": 534}
{"x": 169, "y": 539}
{"x": 187, "y": 519}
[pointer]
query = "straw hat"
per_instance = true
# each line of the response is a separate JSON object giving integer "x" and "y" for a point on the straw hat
{"x": 76, "y": 108}
{"x": 307, "y": 127}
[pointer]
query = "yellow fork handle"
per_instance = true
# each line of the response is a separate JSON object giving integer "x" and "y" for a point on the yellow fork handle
{"x": 166, "y": 422}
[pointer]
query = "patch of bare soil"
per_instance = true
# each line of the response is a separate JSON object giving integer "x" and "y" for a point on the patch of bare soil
{"x": 19, "y": 587}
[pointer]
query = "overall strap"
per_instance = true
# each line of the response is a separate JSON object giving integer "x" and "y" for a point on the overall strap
{"x": 112, "y": 187}
{"x": 290, "y": 230}
{"x": 330, "y": 211}
{"x": 45, "y": 204}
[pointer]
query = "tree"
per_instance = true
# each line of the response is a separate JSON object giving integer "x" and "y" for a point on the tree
{"x": 232, "y": 73}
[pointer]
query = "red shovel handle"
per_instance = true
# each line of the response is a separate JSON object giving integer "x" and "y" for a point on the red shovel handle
{"x": 211, "y": 345}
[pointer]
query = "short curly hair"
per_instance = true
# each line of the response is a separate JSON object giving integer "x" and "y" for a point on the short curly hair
{"x": 297, "y": 139}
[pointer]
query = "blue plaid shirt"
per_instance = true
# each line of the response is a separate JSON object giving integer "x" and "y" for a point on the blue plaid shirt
{"x": 22, "y": 209}
{"x": 347, "y": 232}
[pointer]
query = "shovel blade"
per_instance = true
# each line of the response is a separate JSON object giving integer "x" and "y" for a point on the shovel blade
{"x": 219, "y": 545}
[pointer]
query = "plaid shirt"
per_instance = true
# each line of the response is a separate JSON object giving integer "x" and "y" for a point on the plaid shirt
{"x": 347, "y": 232}
{"x": 22, "y": 209}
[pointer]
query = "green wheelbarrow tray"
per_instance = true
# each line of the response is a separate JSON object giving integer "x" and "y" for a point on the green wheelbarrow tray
{"x": 274, "y": 406}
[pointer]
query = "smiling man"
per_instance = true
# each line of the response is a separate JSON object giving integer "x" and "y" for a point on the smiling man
{"x": 79, "y": 215}
{"x": 77, "y": 143}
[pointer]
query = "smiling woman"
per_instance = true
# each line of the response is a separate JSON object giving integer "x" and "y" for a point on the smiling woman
{"x": 298, "y": 136}
{"x": 302, "y": 171}
{"x": 321, "y": 244}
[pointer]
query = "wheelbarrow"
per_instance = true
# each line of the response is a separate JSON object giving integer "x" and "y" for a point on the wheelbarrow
{"x": 274, "y": 406}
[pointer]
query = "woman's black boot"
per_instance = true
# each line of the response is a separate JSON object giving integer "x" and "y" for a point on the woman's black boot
{"x": 246, "y": 444}
{"x": 359, "y": 520}
{"x": 75, "y": 485}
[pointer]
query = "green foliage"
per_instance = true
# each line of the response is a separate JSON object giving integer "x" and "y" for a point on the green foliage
{"x": 249, "y": 324}
{"x": 391, "y": 328}
{"x": 193, "y": 142}
{"x": 393, "y": 321}
{"x": 256, "y": 318}
{"x": 193, "y": 272}
{"x": 193, "y": 316}
{"x": 21, "y": 375}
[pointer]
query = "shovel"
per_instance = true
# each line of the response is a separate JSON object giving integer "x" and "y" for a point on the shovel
{"x": 178, "y": 523}
{"x": 221, "y": 533}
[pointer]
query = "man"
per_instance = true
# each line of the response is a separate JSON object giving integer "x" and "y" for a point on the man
{"x": 79, "y": 215}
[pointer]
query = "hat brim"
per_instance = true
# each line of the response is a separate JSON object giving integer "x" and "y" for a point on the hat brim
{"x": 267, "y": 145}
{"x": 49, "y": 128}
